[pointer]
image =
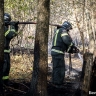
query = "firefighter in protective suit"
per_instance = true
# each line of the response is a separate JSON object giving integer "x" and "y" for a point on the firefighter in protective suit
{"x": 10, "y": 32}
{"x": 62, "y": 42}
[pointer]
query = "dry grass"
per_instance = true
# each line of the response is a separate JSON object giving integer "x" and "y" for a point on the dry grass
{"x": 21, "y": 67}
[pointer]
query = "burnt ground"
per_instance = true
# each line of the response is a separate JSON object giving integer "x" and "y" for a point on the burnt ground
{"x": 71, "y": 86}
{"x": 68, "y": 89}
{"x": 20, "y": 89}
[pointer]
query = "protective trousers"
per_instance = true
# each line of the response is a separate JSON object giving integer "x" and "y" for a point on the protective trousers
{"x": 58, "y": 73}
{"x": 6, "y": 67}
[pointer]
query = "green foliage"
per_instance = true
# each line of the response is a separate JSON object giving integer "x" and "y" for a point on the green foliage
{"x": 52, "y": 0}
{"x": 18, "y": 8}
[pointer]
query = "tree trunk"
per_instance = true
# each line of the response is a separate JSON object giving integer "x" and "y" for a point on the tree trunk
{"x": 1, "y": 43}
{"x": 93, "y": 77}
{"x": 39, "y": 77}
{"x": 88, "y": 72}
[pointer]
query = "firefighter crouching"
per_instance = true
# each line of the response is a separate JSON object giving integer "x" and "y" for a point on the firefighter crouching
{"x": 62, "y": 42}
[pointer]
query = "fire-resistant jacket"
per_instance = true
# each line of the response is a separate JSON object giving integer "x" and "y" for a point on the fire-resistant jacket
{"x": 9, "y": 34}
{"x": 62, "y": 42}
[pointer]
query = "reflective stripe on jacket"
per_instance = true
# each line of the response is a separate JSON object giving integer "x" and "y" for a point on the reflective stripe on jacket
{"x": 62, "y": 42}
{"x": 5, "y": 77}
{"x": 56, "y": 37}
{"x": 10, "y": 32}
{"x": 7, "y": 32}
{"x": 7, "y": 51}
{"x": 69, "y": 48}
{"x": 58, "y": 51}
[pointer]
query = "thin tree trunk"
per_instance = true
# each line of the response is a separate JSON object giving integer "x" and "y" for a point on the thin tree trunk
{"x": 89, "y": 28}
{"x": 70, "y": 63}
{"x": 1, "y": 43}
{"x": 78, "y": 24}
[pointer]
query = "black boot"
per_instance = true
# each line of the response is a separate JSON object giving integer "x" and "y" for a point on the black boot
{"x": 6, "y": 82}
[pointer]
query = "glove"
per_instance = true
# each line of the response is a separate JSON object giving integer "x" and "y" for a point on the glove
{"x": 75, "y": 49}
{"x": 15, "y": 25}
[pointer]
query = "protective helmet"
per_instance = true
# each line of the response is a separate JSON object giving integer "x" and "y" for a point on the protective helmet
{"x": 7, "y": 18}
{"x": 67, "y": 25}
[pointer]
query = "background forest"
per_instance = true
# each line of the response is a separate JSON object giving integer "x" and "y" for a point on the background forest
{"x": 82, "y": 15}
{"x": 73, "y": 11}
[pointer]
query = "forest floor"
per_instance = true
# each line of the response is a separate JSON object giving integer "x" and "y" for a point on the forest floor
{"x": 21, "y": 73}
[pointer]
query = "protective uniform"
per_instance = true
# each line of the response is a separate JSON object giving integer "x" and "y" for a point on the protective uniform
{"x": 10, "y": 32}
{"x": 62, "y": 42}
